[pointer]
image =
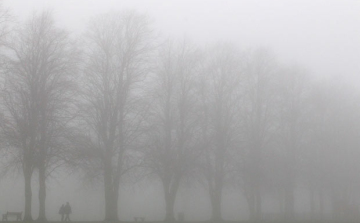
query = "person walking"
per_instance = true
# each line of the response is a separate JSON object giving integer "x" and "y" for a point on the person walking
{"x": 62, "y": 212}
{"x": 67, "y": 211}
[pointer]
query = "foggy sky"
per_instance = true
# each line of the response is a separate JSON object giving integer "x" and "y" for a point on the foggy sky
{"x": 323, "y": 36}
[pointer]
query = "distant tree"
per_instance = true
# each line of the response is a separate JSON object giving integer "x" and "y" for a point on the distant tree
{"x": 314, "y": 156}
{"x": 294, "y": 126}
{"x": 6, "y": 20}
{"x": 117, "y": 55}
{"x": 171, "y": 151}
{"x": 332, "y": 162}
{"x": 219, "y": 91}
{"x": 259, "y": 119}
{"x": 37, "y": 99}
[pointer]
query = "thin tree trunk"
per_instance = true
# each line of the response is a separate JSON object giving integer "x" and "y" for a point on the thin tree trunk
{"x": 321, "y": 203}
{"x": 111, "y": 205}
{"x": 170, "y": 191}
{"x": 256, "y": 176}
{"x": 216, "y": 194}
{"x": 335, "y": 203}
{"x": 169, "y": 201}
{"x": 111, "y": 213}
{"x": 216, "y": 205}
{"x": 251, "y": 204}
{"x": 312, "y": 202}
{"x": 28, "y": 194}
{"x": 42, "y": 194}
{"x": 258, "y": 204}
{"x": 289, "y": 202}
{"x": 281, "y": 203}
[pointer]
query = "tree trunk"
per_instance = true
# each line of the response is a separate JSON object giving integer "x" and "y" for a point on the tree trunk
{"x": 289, "y": 202}
{"x": 256, "y": 175}
{"x": 336, "y": 204}
{"x": 321, "y": 202}
{"x": 42, "y": 193}
{"x": 251, "y": 204}
{"x": 28, "y": 194}
{"x": 216, "y": 192}
{"x": 170, "y": 191}
{"x": 290, "y": 177}
{"x": 312, "y": 202}
{"x": 254, "y": 203}
{"x": 281, "y": 203}
{"x": 258, "y": 204}
{"x": 215, "y": 196}
{"x": 169, "y": 202}
{"x": 111, "y": 210}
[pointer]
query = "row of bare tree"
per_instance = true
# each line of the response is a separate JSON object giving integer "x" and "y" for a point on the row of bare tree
{"x": 118, "y": 101}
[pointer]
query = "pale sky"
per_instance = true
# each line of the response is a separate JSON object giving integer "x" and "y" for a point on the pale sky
{"x": 323, "y": 36}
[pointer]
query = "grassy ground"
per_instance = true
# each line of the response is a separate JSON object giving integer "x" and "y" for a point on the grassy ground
{"x": 318, "y": 221}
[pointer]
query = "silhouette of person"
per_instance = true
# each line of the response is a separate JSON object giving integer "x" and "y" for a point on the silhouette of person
{"x": 67, "y": 211}
{"x": 62, "y": 212}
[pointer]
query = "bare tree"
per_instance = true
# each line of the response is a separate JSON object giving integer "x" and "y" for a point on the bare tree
{"x": 314, "y": 155}
{"x": 118, "y": 47}
{"x": 335, "y": 128}
{"x": 5, "y": 30}
{"x": 258, "y": 123}
{"x": 220, "y": 93}
{"x": 171, "y": 153}
{"x": 39, "y": 75}
{"x": 293, "y": 125}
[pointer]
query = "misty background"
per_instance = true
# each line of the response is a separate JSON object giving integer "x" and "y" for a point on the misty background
{"x": 311, "y": 53}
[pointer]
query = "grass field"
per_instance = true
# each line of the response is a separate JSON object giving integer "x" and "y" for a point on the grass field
{"x": 272, "y": 221}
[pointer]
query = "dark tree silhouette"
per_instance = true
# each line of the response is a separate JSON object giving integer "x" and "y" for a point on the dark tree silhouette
{"x": 171, "y": 153}
{"x": 38, "y": 82}
{"x": 220, "y": 94}
{"x": 118, "y": 47}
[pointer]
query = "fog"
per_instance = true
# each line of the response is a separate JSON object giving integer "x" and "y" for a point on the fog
{"x": 222, "y": 110}
{"x": 321, "y": 35}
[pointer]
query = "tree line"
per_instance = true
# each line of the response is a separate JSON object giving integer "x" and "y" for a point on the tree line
{"x": 119, "y": 101}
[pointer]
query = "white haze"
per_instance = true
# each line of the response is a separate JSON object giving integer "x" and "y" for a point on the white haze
{"x": 322, "y": 36}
